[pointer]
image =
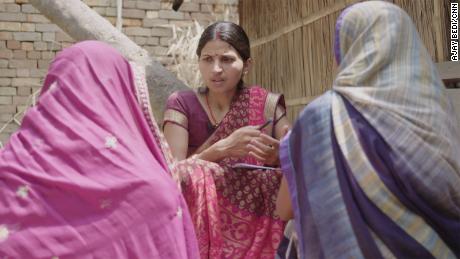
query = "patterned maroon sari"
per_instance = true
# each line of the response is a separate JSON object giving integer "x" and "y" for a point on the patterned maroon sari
{"x": 233, "y": 209}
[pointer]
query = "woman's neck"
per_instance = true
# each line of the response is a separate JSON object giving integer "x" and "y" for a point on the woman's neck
{"x": 221, "y": 101}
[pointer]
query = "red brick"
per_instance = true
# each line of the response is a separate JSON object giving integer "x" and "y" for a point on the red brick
{"x": 54, "y": 45}
{"x": 153, "y": 22}
{"x": 33, "y": 54}
{"x": 10, "y": 26}
{"x": 38, "y": 18}
{"x": 5, "y": 82}
{"x": 6, "y": 35}
{"x": 19, "y": 54}
{"x": 7, "y": 91}
{"x": 4, "y": 137}
{"x": 6, "y": 100}
{"x": 12, "y": 8}
{"x": 3, "y": 63}
{"x": 7, "y": 73}
{"x": 15, "y": 63}
{"x": 13, "y": 17}
{"x": 6, "y": 53}
{"x": 10, "y": 128}
{"x": 21, "y": 100}
{"x": 40, "y": 73}
{"x": 133, "y": 13}
{"x": 27, "y": 8}
{"x": 13, "y": 44}
{"x": 8, "y": 108}
{"x": 27, "y": 46}
{"x": 24, "y": 90}
{"x": 29, "y": 27}
{"x": 44, "y": 63}
{"x": 48, "y": 54}
{"x": 148, "y": 5}
{"x": 40, "y": 45}
{"x": 189, "y": 7}
{"x": 4, "y": 117}
{"x": 26, "y": 82}
{"x": 22, "y": 72}
{"x": 27, "y": 36}
{"x": 170, "y": 15}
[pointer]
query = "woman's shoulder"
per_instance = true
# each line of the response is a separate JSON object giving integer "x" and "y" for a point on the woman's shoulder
{"x": 255, "y": 88}
{"x": 178, "y": 107}
{"x": 259, "y": 88}
{"x": 183, "y": 101}
{"x": 182, "y": 94}
{"x": 272, "y": 99}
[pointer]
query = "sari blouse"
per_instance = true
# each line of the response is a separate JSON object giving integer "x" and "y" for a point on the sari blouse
{"x": 184, "y": 105}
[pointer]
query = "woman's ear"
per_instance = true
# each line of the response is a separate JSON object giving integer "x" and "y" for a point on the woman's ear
{"x": 247, "y": 66}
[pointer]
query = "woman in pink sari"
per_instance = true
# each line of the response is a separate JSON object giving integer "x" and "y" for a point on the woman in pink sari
{"x": 86, "y": 175}
{"x": 214, "y": 129}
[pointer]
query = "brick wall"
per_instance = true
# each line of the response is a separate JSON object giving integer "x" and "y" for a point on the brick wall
{"x": 28, "y": 41}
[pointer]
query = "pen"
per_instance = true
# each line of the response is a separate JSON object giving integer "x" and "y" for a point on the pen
{"x": 265, "y": 124}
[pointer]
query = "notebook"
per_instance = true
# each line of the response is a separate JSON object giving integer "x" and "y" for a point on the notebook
{"x": 252, "y": 167}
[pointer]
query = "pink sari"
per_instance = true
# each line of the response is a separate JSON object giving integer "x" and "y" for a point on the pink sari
{"x": 233, "y": 209}
{"x": 87, "y": 175}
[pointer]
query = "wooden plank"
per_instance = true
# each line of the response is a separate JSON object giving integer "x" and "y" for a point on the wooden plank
{"x": 304, "y": 22}
{"x": 449, "y": 72}
{"x": 300, "y": 101}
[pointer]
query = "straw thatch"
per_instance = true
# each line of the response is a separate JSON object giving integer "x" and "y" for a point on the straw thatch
{"x": 292, "y": 42}
{"x": 183, "y": 45}
{"x": 182, "y": 49}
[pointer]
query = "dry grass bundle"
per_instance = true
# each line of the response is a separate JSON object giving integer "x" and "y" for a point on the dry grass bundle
{"x": 182, "y": 49}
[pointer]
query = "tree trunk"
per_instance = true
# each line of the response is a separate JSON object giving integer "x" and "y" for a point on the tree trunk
{"x": 82, "y": 23}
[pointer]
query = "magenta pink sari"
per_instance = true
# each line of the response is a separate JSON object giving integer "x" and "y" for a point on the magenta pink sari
{"x": 87, "y": 176}
{"x": 233, "y": 209}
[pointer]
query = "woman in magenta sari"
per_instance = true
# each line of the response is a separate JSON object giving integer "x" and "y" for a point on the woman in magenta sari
{"x": 86, "y": 175}
{"x": 214, "y": 128}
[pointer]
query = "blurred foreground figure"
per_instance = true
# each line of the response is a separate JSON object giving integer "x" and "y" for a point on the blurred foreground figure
{"x": 86, "y": 175}
{"x": 373, "y": 166}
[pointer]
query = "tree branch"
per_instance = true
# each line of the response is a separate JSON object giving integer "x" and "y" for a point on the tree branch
{"x": 82, "y": 23}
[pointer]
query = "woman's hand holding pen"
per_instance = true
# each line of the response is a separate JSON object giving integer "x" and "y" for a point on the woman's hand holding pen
{"x": 236, "y": 145}
{"x": 258, "y": 145}
{"x": 251, "y": 141}
{"x": 265, "y": 149}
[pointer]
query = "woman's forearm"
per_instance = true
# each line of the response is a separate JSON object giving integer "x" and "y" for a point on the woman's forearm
{"x": 213, "y": 153}
{"x": 283, "y": 202}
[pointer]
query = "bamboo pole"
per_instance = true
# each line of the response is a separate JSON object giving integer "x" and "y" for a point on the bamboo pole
{"x": 437, "y": 28}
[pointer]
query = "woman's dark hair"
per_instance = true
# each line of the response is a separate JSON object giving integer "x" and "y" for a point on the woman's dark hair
{"x": 229, "y": 32}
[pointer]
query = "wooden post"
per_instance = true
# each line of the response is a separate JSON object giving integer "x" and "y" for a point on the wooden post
{"x": 437, "y": 27}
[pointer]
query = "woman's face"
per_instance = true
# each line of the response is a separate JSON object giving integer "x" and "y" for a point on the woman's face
{"x": 221, "y": 66}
